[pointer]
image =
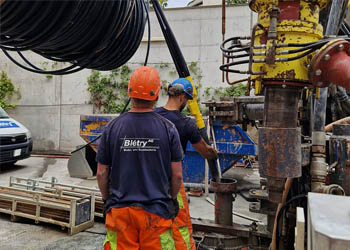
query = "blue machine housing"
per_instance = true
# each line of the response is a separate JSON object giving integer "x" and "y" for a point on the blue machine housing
{"x": 232, "y": 144}
{"x": 231, "y": 141}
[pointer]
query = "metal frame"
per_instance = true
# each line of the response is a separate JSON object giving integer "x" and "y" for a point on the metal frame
{"x": 66, "y": 189}
{"x": 38, "y": 202}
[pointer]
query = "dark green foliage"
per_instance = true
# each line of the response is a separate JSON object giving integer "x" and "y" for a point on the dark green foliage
{"x": 7, "y": 91}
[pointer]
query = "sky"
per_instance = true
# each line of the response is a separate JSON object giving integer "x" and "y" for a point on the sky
{"x": 177, "y": 3}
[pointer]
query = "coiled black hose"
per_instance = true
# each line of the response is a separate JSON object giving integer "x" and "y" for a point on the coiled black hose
{"x": 100, "y": 35}
{"x": 128, "y": 101}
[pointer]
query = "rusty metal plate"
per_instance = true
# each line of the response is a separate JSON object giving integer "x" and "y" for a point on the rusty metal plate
{"x": 305, "y": 154}
{"x": 289, "y": 10}
{"x": 341, "y": 129}
{"x": 219, "y": 104}
{"x": 340, "y": 153}
{"x": 221, "y": 113}
{"x": 249, "y": 99}
{"x": 209, "y": 226}
{"x": 258, "y": 194}
{"x": 280, "y": 152}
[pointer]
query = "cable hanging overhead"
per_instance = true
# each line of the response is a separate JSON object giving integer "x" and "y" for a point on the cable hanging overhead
{"x": 100, "y": 35}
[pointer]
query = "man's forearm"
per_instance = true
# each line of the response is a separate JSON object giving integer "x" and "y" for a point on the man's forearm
{"x": 213, "y": 155}
{"x": 205, "y": 150}
{"x": 176, "y": 178}
{"x": 175, "y": 186}
{"x": 103, "y": 180}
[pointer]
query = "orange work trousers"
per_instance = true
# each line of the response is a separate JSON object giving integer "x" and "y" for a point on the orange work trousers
{"x": 133, "y": 228}
{"x": 182, "y": 226}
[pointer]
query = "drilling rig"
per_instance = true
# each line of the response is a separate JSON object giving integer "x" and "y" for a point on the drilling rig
{"x": 297, "y": 52}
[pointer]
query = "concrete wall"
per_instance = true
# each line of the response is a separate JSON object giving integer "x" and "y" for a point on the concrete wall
{"x": 50, "y": 108}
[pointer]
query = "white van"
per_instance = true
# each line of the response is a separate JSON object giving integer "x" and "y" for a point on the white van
{"x": 15, "y": 140}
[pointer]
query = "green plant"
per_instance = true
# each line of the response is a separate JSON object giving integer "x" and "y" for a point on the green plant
{"x": 109, "y": 91}
{"x": 163, "y": 3}
{"x": 7, "y": 91}
{"x": 45, "y": 66}
{"x": 235, "y": 90}
{"x": 231, "y": 91}
{"x": 233, "y": 2}
{"x": 164, "y": 65}
{"x": 163, "y": 91}
{"x": 196, "y": 74}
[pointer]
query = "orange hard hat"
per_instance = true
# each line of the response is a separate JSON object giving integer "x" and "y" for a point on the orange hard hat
{"x": 144, "y": 84}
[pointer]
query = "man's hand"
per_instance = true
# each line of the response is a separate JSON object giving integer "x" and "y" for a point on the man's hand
{"x": 205, "y": 150}
{"x": 177, "y": 207}
{"x": 176, "y": 178}
{"x": 102, "y": 177}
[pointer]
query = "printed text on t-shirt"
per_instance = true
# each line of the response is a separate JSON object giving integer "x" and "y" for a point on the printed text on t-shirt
{"x": 139, "y": 144}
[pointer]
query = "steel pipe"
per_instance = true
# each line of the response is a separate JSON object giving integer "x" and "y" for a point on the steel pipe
{"x": 224, "y": 191}
{"x": 255, "y": 111}
{"x": 280, "y": 139}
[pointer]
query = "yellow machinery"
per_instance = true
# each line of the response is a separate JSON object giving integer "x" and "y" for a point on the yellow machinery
{"x": 294, "y": 51}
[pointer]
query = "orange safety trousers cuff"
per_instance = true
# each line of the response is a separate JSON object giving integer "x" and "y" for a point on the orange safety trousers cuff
{"x": 183, "y": 218}
{"x": 132, "y": 228}
{"x": 182, "y": 227}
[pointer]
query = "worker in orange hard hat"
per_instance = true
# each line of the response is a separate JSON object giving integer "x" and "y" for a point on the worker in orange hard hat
{"x": 139, "y": 171}
{"x": 179, "y": 92}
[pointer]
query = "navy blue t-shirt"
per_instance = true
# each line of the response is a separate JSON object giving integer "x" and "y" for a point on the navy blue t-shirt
{"x": 139, "y": 148}
{"x": 186, "y": 127}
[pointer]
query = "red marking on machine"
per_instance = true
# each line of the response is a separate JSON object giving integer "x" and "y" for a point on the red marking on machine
{"x": 289, "y": 10}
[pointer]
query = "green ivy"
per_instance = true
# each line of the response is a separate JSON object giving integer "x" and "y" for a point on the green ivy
{"x": 163, "y": 3}
{"x": 232, "y": 91}
{"x": 45, "y": 66}
{"x": 7, "y": 91}
{"x": 233, "y": 2}
{"x": 235, "y": 90}
{"x": 108, "y": 91}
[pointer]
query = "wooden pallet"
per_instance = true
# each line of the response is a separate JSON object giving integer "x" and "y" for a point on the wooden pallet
{"x": 55, "y": 187}
{"x": 68, "y": 211}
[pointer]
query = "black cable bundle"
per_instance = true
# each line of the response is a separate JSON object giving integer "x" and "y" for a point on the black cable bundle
{"x": 100, "y": 34}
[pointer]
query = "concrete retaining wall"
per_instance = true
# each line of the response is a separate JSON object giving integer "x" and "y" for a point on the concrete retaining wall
{"x": 50, "y": 107}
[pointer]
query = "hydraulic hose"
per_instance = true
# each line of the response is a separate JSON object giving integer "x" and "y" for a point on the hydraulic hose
{"x": 101, "y": 35}
{"x": 182, "y": 70}
{"x": 128, "y": 101}
{"x": 179, "y": 61}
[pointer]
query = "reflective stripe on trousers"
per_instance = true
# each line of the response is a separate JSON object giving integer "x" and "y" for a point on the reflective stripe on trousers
{"x": 182, "y": 228}
{"x": 132, "y": 228}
